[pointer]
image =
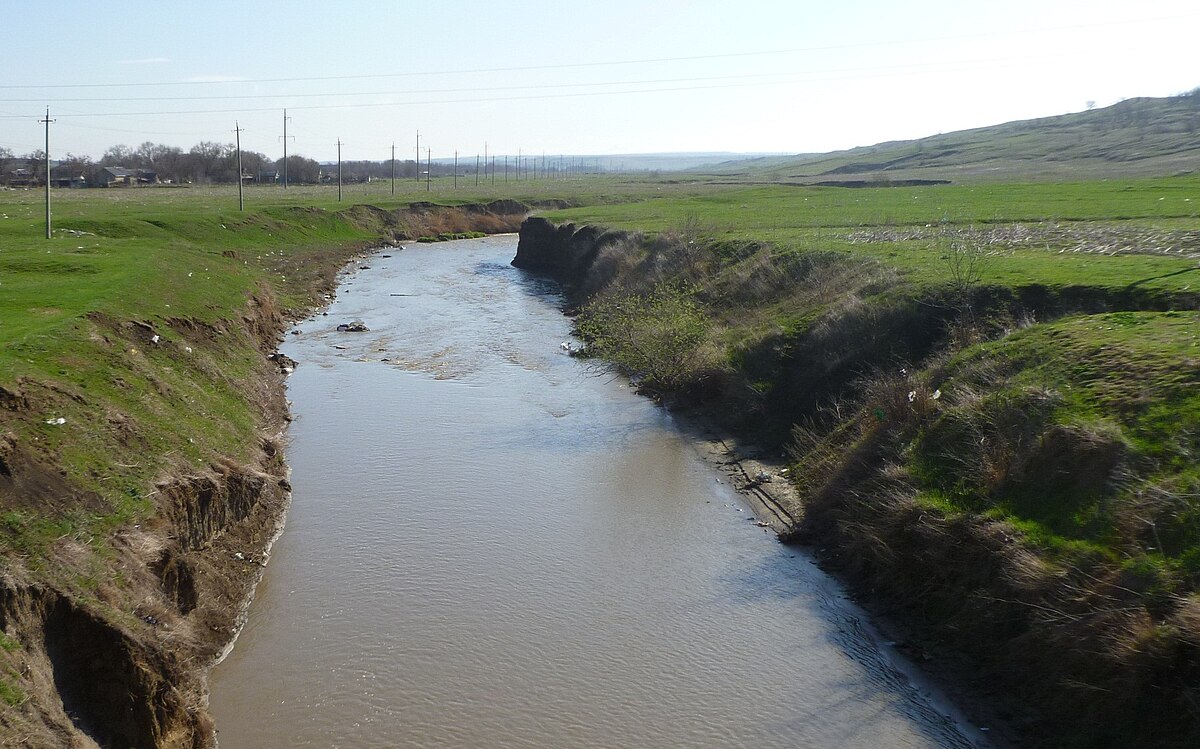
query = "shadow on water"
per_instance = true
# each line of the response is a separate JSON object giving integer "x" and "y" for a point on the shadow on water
{"x": 531, "y": 283}
{"x": 548, "y": 561}
{"x": 793, "y": 576}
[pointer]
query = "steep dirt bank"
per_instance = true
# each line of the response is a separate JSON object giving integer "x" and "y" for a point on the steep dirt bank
{"x": 110, "y": 618}
{"x": 114, "y": 633}
{"x": 1071, "y": 645}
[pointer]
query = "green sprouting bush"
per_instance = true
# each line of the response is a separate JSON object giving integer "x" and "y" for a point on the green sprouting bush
{"x": 657, "y": 336}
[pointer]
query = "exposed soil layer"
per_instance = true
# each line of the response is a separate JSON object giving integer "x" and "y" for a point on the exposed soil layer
{"x": 1074, "y": 656}
{"x": 118, "y": 656}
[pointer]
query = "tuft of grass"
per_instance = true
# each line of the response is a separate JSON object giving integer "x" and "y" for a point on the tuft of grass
{"x": 11, "y": 694}
{"x": 1085, "y": 431}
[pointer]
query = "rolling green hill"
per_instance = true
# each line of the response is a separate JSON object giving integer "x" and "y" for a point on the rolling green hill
{"x": 1136, "y": 137}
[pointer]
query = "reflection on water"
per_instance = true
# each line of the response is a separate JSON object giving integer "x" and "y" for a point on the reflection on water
{"x": 490, "y": 546}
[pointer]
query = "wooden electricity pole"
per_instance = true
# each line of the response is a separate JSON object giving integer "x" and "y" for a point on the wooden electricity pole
{"x": 285, "y": 140}
{"x": 237, "y": 129}
{"x": 393, "y": 168}
{"x": 339, "y": 145}
{"x": 49, "y": 232}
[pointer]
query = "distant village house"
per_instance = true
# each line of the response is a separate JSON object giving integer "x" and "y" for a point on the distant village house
{"x": 68, "y": 175}
{"x": 21, "y": 178}
{"x": 119, "y": 176}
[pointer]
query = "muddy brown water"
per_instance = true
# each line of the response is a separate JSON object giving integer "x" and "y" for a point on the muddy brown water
{"x": 493, "y": 545}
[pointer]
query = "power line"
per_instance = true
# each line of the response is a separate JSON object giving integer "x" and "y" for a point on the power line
{"x": 473, "y": 100}
{"x": 602, "y": 63}
{"x": 405, "y": 92}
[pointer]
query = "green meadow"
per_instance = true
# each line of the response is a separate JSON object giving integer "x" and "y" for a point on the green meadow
{"x": 1022, "y": 353}
{"x": 1067, "y": 226}
{"x": 1085, "y": 292}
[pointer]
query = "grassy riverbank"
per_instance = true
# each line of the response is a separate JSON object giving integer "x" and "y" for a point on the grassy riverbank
{"x": 140, "y": 419}
{"x": 989, "y": 393}
{"x": 991, "y": 397}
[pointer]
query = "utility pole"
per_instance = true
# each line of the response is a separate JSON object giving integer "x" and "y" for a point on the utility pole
{"x": 237, "y": 129}
{"x": 477, "y": 170}
{"x": 485, "y": 161}
{"x": 393, "y": 167}
{"x": 493, "y": 170}
{"x": 417, "y": 163}
{"x": 285, "y": 140}
{"x": 428, "y": 167}
{"x": 518, "y": 164}
{"x": 506, "y": 170}
{"x": 339, "y": 145}
{"x": 49, "y": 232}
{"x": 456, "y": 169}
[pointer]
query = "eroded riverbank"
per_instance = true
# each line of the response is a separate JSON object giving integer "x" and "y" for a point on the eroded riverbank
{"x": 491, "y": 545}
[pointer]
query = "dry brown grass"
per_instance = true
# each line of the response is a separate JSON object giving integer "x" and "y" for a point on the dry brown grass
{"x": 1100, "y": 239}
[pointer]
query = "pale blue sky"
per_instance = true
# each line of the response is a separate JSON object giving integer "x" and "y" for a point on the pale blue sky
{"x": 621, "y": 76}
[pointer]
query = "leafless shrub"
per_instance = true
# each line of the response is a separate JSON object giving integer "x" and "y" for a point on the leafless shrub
{"x": 981, "y": 443}
{"x": 1155, "y": 516}
{"x": 1186, "y": 619}
{"x": 614, "y": 262}
{"x": 808, "y": 279}
{"x": 967, "y": 257}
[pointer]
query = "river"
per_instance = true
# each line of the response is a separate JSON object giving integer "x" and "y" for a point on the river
{"x": 492, "y": 544}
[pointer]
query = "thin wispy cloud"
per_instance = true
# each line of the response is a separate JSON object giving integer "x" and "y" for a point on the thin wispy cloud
{"x": 145, "y": 61}
{"x": 214, "y": 79}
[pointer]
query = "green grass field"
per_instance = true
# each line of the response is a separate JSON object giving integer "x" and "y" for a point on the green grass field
{"x": 1124, "y": 381}
{"x": 159, "y": 256}
{"x": 884, "y": 335}
{"x": 1150, "y": 224}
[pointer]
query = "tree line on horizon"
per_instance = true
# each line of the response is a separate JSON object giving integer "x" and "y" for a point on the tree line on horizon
{"x": 204, "y": 163}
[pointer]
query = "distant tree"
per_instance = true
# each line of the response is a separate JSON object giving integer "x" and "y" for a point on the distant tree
{"x": 300, "y": 169}
{"x": 36, "y": 164}
{"x": 211, "y": 162}
{"x": 164, "y": 160}
{"x": 169, "y": 163}
{"x": 144, "y": 154}
{"x": 254, "y": 162}
{"x": 81, "y": 165}
{"x": 119, "y": 156}
{"x": 6, "y": 158}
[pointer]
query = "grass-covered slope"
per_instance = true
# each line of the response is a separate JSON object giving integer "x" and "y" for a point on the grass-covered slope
{"x": 990, "y": 396}
{"x": 1142, "y": 136}
{"x": 141, "y": 473}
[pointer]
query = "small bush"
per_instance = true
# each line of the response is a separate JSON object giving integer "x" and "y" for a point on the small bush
{"x": 656, "y": 337}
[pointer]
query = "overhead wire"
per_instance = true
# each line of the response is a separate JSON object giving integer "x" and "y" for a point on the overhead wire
{"x": 744, "y": 81}
{"x": 602, "y": 63}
